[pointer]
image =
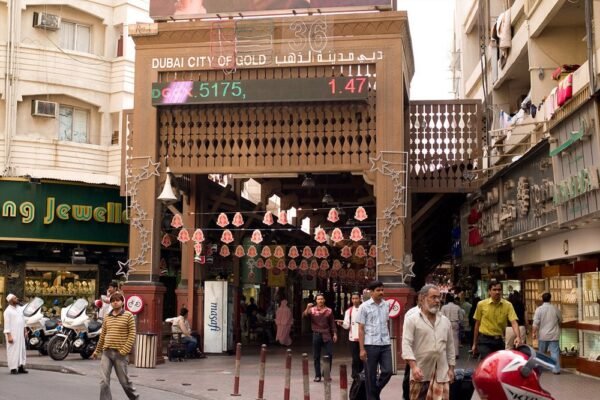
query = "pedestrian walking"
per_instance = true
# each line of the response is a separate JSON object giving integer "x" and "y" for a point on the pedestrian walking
{"x": 324, "y": 332}
{"x": 374, "y": 340}
{"x": 14, "y": 331}
{"x": 284, "y": 321}
{"x": 406, "y": 379}
{"x": 427, "y": 345}
{"x": 490, "y": 317}
{"x": 456, "y": 316}
{"x": 546, "y": 327}
{"x": 349, "y": 323}
{"x": 519, "y": 306}
{"x": 116, "y": 341}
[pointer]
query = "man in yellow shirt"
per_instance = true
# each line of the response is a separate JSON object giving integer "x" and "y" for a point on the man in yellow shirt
{"x": 490, "y": 317}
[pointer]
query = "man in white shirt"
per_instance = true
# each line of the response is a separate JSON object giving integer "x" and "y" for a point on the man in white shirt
{"x": 351, "y": 325}
{"x": 546, "y": 327}
{"x": 428, "y": 347}
{"x": 14, "y": 331}
{"x": 113, "y": 287}
{"x": 456, "y": 315}
{"x": 406, "y": 379}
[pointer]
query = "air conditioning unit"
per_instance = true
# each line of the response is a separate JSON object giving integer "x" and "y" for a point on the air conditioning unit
{"x": 46, "y": 21}
{"x": 41, "y": 108}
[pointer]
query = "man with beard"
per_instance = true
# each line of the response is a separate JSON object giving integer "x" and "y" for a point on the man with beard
{"x": 428, "y": 347}
{"x": 14, "y": 331}
{"x": 374, "y": 340}
{"x": 491, "y": 317}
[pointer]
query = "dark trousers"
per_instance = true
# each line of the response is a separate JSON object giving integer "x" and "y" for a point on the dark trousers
{"x": 318, "y": 346}
{"x": 406, "y": 383}
{"x": 357, "y": 364}
{"x": 377, "y": 356}
{"x": 487, "y": 345}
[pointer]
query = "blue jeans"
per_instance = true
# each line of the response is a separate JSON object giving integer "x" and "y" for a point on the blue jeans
{"x": 319, "y": 344}
{"x": 552, "y": 345}
{"x": 382, "y": 356}
{"x": 190, "y": 343}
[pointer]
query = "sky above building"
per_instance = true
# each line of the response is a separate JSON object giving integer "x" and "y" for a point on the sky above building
{"x": 431, "y": 29}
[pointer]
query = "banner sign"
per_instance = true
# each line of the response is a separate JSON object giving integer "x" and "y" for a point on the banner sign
{"x": 62, "y": 212}
{"x": 162, "y": 10}
{"x": 215, "y": 320}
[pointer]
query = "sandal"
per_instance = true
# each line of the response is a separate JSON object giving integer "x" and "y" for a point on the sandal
{"x": 317, "y": 379}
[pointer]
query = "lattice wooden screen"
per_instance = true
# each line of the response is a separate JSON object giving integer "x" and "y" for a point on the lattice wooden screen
{"x": 292, "y": 137}
{"x": 445, "y": 146}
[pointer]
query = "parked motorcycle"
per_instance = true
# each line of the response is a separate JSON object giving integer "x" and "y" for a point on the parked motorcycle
{"x": 78, "y": 333}
{"x": 39, "y": 328}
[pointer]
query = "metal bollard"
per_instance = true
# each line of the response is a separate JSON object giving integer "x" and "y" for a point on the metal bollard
{"x": 305, "y": 376}
{"x": 288, "y": 374}
{"x": 343, "y": 382}
{"x": 261, "y": 372}
{"x": 327, "y": 377}
{"x": 236, "y": 378}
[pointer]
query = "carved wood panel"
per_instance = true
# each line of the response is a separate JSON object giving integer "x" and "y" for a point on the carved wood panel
{"x": 283, "y": 137}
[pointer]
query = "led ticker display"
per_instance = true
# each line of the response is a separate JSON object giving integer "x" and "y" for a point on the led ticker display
{"x": 261, "y": 91}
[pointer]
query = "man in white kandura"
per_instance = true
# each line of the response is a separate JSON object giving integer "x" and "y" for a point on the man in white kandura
{"x": 14, "y": 330}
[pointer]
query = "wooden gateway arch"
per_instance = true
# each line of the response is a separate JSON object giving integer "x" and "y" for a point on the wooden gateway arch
{"x": 297, "y": 95}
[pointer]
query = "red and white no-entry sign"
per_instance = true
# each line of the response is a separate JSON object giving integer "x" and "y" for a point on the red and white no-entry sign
{"x": 395, "y": 308}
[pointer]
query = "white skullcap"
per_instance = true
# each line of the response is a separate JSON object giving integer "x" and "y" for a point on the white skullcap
{"x": 10, "y": 297}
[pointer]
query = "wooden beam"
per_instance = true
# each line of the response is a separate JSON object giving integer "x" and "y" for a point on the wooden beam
{"x": 419, "y": 216}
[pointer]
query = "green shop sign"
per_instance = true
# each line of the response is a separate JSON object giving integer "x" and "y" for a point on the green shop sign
{"x": 585, "y": 181}
{"x": 58, "y": 212}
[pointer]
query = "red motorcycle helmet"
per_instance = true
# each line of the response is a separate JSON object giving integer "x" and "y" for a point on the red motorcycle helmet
{"x": 512, "y": 374}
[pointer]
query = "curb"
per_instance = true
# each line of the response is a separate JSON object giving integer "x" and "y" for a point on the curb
{"x": 47, "y": 367}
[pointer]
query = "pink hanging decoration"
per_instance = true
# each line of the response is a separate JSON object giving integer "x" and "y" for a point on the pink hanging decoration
{"x": 166, "y": 240}
{"x": 346, "y": 252}
{"x": 333, "y": 273}
{"x": 224, "y": 251}
{"x": 260, "y": 263}
{"x": 307, "y": 252}
{"x": 323, "y": 274}
{"x": 319, "y": 252}
{"x": 177, "y": 221}
{"x": 256, "y": 237}
{"x": 281, "y": 264}
{"x": 333, "y": 216}
{"x": 314, "y": 265}
{"x": 360, "y": 252}
{"x": 337, "y": 265}
{"x": 292, "y": 265}
{"x": 320, "y": 235}
{"x": 227, "y": 236}
{"x": 184, "y": 236}
{"x": 356, "y": 234}
{"x": 337, "y": 235}
{"x": 266, "y": 252}
{"x": 351, "y": 274}
{"x": 276, "y": 271}
{"x": 324, "y": 265}
{"x": 252, "y": 252}
{"x": 293, "y": 252}
{"x": 360, "y": 214}
{"x": 303, "y": 265}
{"x": 325, "y": 252}
{"x": 198, "y": 248}
{"x": 312, "y": 272}
{"x": 279, "y": 253}
{"x": 373, "y": 251}
{"x": 238, "y": 220}
{"x": 268, "y": 218}
{"x": 342, "y": 273}
{"x": 198, "y": 236}
{"x": 239, "y": 251}
{"x": 370, "y": 263}
{"x": 268, "y": 264}
{"x": 222, "y": 220}
{"x": 283, "y": 219}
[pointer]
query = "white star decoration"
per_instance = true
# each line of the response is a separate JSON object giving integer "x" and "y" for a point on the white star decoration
{"x": 150, "y": 169}
{"x": 405, "y": 269}
{"x": 125, "y": 268}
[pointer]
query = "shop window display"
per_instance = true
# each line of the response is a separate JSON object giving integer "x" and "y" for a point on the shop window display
{"x": 590, "y": 297}
{"x": 590, "y": 345}
{"x": 534, "y": 288}
{"x": 509, "y": 286}
{"x": 569, "y": 342}
{"x": 564, "y": 295}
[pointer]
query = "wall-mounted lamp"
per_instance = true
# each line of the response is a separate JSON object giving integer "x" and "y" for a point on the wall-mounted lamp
{"x": 167, "y": 195}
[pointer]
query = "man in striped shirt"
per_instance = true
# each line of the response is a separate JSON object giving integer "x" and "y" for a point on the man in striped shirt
{"x": 116, "y": 341}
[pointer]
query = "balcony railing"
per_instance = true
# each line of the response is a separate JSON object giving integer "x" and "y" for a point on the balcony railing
{"x": 445, "y": 146}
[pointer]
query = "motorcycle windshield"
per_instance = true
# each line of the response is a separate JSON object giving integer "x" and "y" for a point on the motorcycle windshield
{"x": 32, "y": 307}
{"x": 77, "y": 308}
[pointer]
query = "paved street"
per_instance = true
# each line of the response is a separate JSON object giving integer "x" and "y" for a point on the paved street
{"x": 212, "y": 378}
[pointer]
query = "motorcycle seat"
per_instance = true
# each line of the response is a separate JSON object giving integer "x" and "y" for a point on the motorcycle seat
{"x": 94, "y": 326}
{"x": 51, "y": 324}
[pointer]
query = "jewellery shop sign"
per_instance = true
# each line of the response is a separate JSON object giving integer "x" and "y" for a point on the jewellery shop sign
{"x": 62, "y": 213}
